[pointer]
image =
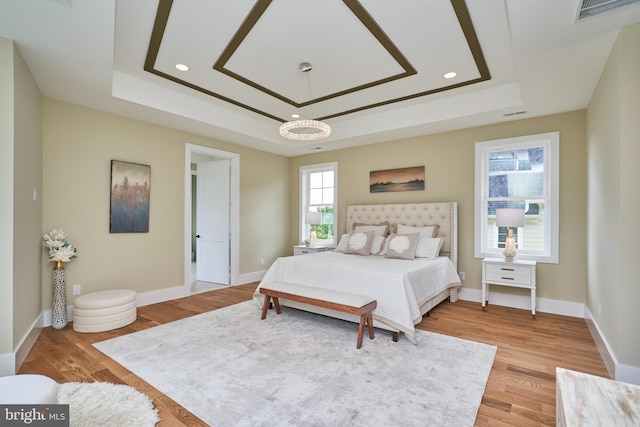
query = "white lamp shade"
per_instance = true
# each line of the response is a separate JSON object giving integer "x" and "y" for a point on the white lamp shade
{"x": 313, "y": 218}
{"x": 510, "y": 217}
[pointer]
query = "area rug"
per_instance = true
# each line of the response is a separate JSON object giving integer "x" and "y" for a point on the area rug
{"x": 105, "y": 404}
{"x": 230, "y": 368}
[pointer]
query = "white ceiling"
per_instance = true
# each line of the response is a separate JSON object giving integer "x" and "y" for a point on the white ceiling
{"x": 377, "y": 64}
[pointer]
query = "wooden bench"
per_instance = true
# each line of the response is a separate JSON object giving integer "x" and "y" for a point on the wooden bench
{"x": 345, "y": 302}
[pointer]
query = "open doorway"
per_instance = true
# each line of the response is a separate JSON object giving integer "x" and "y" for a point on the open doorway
{"x": 211, "y": 218}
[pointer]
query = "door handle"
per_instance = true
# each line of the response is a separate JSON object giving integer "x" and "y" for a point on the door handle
{"x": 197, "y": 236}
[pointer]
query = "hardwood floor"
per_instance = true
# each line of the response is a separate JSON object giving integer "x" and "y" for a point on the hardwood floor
{"x": 520, "y": 391}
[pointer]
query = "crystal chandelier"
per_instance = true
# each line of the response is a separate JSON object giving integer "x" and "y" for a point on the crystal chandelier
{"x": 305, "y": 129}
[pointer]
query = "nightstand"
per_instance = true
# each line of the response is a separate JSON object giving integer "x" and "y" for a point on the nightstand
{"x": 518, "y": 274}
{"x": 304, "y": 249}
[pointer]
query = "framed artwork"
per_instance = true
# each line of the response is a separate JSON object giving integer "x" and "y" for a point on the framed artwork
{"x": 403, "y": 179}
{"x": 130, "y": 194}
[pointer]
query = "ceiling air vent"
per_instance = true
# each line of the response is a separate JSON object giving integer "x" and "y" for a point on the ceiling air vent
{"x": 591, "y": 8}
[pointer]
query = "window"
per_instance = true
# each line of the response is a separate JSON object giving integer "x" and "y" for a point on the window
{"x": 518, "y": 173}
{"x": 318, "y": 193}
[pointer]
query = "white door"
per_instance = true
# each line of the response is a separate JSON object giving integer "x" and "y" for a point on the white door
{"x": 212, "y": 222}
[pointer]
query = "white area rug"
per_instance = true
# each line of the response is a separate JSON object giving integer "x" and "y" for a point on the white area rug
{"x": 105, "y": 404}
{"x": 230, "y": 368}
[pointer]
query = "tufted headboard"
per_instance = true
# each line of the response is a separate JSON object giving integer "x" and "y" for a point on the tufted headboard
{"x": 444, "y": 214}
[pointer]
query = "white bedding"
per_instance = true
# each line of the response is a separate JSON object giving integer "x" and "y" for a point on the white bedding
{"x": 399, "y": 286}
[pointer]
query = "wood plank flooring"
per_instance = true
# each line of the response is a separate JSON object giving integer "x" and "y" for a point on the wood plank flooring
{"x": 520, "y": 391}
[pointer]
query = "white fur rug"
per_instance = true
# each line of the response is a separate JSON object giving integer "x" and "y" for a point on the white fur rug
{"x": 105, "y": 404}
{"x": 230, "y": 368}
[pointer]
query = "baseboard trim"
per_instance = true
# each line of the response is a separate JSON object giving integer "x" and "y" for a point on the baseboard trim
{"x": 256, "y": 276}
{"x": 162, "y": 295}
{"x": 7, "y": 364}
{"x": 10, "y": 363}
{"x": 545, "y": 305}
{"x": 27, "y": 342}
{"x": 616, "y": 370}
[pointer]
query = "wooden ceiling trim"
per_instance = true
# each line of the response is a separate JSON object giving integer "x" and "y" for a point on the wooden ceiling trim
{"x": 157, "y": 34}
{"x": 459, "y": 6}
{"x": 361, "y": 14}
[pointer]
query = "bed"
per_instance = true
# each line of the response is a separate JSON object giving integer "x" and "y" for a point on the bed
{"x": 405, "y": 289}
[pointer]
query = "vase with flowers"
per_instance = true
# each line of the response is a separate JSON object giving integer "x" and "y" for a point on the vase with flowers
{"x": 60, "y": 251}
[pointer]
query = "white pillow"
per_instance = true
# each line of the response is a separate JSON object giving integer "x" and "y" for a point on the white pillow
{"x": 378, "y": 243}
{"x": 342, "y": 245}
{"x": 428, "y": 247}
{"x": 427, "y": 230}
{"x": 379, "y": 229}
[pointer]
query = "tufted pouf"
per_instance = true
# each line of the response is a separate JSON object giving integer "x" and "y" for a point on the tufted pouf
{"x": 28, "y": 389}
{"x": 104, "y": 310}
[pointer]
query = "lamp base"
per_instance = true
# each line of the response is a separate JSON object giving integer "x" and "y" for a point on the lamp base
{"x": 509, "y": 259}
{"x": 312, "y": 237}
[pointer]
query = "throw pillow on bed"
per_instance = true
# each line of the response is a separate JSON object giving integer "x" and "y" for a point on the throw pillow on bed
{"x": 360, "y": 243}
{"x": 429, "y": 247}
{"x": 377, "y": 244}
{"x": 402, "y": 246}
{"x": 343, "y": 243}
{"x": 427, "y": 230}
{"x": 381, "y": 229}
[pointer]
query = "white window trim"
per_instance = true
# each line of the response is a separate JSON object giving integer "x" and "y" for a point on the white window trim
{"x": 551, "y": 141}
{"x": 304, "y": 172}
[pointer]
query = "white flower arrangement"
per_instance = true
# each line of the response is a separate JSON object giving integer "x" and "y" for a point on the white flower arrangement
{"x": 60, "y": 250}
{"x": 509, "y": 253}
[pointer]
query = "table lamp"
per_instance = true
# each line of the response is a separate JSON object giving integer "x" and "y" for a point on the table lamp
{"x": 313, "y": 218}
{"x": 509, "y": 218}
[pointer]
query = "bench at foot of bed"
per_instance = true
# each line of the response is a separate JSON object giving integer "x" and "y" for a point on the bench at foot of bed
{"x": 345, "y": 302}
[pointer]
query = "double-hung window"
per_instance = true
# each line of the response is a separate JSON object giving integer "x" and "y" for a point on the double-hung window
{"x": 519, "y": 173}
{"x": 318, "y": 193}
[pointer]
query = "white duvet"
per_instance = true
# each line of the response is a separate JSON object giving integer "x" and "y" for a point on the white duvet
{"x": 400, "y": 286}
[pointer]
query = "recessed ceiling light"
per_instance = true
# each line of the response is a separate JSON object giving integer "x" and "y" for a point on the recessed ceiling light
{"x": 182, "y": 67}
{"x": 295, "y": 116}
{"x": 450, "y": 75}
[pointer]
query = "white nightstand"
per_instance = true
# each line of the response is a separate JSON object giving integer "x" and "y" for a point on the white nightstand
{"x": 518, "y": 274}
{"x": 304, "y": 249}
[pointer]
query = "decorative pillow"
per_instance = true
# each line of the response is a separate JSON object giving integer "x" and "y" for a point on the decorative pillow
{"x": 427, "y": 230}
{"x": 376, "y": 245}
{"x": 402, "y": 246}
{"x": 342, "y": 244}
{"x": 360, "y": 243}
{"x": 429, "y": 247}
{"x": 381, "y": 229}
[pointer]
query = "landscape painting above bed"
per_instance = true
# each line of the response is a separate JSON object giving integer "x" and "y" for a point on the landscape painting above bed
{"x": 405, "y": 289}
{"x": 403, "y": 179}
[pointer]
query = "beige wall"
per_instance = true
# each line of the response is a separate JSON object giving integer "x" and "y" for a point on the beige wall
{"x": 27, "y": 223}
{"x": 614, "y": 152}
{"x": 6, "y": 191}
{"x": 20, "y": 215}
{"x": 79, "y": 144}
{"x": 449, "y": 162}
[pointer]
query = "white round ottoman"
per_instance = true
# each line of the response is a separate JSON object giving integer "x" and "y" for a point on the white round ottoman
{"x": 104, "y": 310}
{"x": 28, "y": 389}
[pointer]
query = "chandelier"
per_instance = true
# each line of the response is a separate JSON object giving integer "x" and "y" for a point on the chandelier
{"x": 305, "y": 129}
